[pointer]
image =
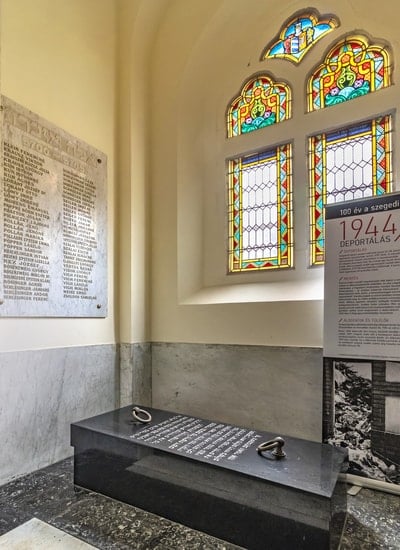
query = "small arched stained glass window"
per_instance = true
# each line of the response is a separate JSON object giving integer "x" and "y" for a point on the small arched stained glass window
{"x": 262, "y": 102}
{"x": 351, "y": 69}
{"x": 298, "y": 35}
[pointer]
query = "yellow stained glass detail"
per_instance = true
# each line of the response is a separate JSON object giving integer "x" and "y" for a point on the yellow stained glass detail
{"x": 351, "y": 69}
{"x": 261, "y": 103}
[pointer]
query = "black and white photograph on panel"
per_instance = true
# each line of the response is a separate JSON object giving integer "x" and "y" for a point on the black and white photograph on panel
{"x": 364, "y": 415}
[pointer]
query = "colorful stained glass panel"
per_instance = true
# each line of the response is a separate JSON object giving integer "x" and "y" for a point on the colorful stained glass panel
{"x": 261, "y": 103}
{"x": 298, "y": 35}
{"x": 347, "y": 164}
{"x": 350, "y": 70}
{"x": 260, "y": 211}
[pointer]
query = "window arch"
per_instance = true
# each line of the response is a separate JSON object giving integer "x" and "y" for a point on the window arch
{"x": 345, "y": 162}
{"x": 353, "y": 161}
{"x": 351, "y": 69}
{"x": 260, "y": 187}
{"x": 262, "y": 102}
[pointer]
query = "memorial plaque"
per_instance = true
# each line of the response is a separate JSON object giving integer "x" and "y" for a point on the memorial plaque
{"x": 235, "y": 448}
{"x": 193, "y": 437}
{"x": 226, "y": 446}
{"x": 53, "y": 220}
{"x": 209, "y": 476}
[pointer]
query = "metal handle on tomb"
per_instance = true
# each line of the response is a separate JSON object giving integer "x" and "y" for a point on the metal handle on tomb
{"x": 140, "y": 415}
{"x": 276, "y": 444}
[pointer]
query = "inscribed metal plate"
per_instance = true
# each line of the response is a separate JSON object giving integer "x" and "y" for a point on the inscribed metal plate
{"x": 53, "y": 220}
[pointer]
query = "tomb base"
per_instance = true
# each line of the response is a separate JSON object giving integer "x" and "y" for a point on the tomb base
{"x": 209, "y": 476}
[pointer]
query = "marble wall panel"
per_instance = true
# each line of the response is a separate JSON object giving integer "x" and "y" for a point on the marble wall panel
{"x": 277, "y": 389}
{"x": 53, "y": 203}
{"x": 41, "y": 393}
{"x": 135, "y": 374}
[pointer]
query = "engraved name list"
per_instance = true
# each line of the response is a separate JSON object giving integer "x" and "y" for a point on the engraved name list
{"x": 53, "y": 214}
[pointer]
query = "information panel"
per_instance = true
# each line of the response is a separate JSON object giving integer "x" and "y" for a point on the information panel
{"x": 53, "y": 220}
{"x": 362, "y": 279}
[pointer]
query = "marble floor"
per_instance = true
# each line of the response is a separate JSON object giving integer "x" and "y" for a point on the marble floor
{"x": 46, "y": 507}
{"x": 36, "y": 534}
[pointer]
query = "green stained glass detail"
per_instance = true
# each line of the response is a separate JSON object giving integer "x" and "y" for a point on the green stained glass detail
{"x": 260, "y": 211}
{"x": 299, "y": 34}
{"x": 261, "y": 103}
{"x": 347, "y": 164}
{"x": 351, "y": 69}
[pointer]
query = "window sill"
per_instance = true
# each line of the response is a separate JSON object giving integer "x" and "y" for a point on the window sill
{"x": 290, "y": 291}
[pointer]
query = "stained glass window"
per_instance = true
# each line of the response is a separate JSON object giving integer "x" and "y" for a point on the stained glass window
{"x": 351, "y": 69}
{"x": 347, "y": 164}
{"x": 260, "y": 211}
{"x": 298, "y": 35}
{"x": 261, "y": 103}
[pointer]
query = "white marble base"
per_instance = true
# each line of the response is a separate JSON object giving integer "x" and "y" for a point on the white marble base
{"x": 38, "y": 535}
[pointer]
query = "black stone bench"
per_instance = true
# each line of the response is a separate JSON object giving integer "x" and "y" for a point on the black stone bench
{"x": 209, "y": 476}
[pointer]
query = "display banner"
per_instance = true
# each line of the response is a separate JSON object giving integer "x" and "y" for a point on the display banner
{"x": 362, "y": 334}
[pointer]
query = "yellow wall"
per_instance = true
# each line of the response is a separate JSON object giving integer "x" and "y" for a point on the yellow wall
{"x": 201, "y": 59}
{"x": 58, "y": 60}
{"x": 137, "y": 26}
{"x": 147, "y": 82}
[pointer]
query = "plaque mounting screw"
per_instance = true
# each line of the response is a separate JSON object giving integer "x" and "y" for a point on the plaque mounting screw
{"x": 1, "y": 302}
{"x": 99, "y": 161}
{"x": 98, "y": 306}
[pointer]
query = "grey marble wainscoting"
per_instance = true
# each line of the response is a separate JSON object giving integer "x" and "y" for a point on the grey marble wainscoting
{"x": 135, "y": 374}
{"x": 41, "y": 393}
{"x": 276, "y": 389}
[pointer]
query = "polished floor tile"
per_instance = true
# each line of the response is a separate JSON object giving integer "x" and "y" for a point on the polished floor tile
{"x": 50, "y": 496}
{"x": 38, "y": 535}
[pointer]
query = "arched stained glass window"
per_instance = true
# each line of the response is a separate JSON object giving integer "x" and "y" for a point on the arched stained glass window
{"x": 346, "y": 164}
{"x": 260, "y": 211}
{"x": 351, "y": 69}
{"x": 298, "y": 35}
{"x": 350, "y": 163}
{"x": 261, "y": 103}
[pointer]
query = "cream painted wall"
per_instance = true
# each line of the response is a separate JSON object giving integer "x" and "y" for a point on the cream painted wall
{"x": 154, "y": 100}
{"x": 138, "y": 22}
{"x": 200, "y": 61}
{"x": 58, "y": 59}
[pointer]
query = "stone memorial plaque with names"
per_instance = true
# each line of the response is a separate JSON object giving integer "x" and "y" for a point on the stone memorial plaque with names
{"x": 53, "y": 220}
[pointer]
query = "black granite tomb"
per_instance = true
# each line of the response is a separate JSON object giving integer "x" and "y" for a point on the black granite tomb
{"x": 209, "y": 476}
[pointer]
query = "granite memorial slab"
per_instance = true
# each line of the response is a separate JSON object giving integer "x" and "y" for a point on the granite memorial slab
{"x": 215, "y": 477}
